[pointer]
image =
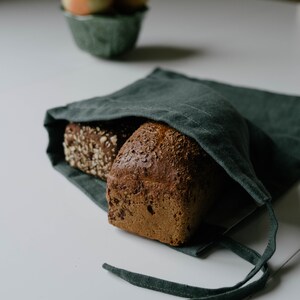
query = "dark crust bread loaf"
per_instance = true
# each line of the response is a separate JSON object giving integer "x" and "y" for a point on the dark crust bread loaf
{"x": 161, "y": 184}
{"x": 92, "y": 147}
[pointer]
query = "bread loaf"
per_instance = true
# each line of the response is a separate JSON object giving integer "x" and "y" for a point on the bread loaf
{"x": 92, "y": 147}
{"x": 161, "y": 184}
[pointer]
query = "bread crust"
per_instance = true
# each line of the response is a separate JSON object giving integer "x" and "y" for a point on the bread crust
{"x": 161, "y": 184}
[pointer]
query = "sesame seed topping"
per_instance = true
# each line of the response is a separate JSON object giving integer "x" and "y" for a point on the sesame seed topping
{"x": 113, "y": 139}
{"x": 103, "y": 139}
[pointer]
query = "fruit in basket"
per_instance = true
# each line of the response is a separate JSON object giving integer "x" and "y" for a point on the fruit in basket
{"x": 86, "y": 7}
{"x": 104, "y": 29}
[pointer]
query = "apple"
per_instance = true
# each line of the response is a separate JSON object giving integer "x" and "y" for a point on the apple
{"x": 86, "y": 7}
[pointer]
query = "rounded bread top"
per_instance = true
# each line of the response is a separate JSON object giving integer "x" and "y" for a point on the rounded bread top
{"x": 157, "y": 152}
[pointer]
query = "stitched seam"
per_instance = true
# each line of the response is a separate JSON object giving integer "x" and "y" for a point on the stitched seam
{"x": 203, "y": 111}
{"x": 198, "y": 109}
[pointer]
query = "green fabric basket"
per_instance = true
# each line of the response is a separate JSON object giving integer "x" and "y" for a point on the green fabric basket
{"x": 106, "y": 36}
{"x": 253, "y": 135}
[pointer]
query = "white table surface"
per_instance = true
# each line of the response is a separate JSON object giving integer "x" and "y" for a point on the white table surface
{"x": 53, "y": 239}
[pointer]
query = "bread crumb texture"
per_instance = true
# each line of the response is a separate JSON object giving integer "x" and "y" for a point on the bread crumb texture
{"x": 92, "y": 148}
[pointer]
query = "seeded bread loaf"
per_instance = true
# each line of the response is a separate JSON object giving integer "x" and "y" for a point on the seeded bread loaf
{"x": 161, "y": 184}
{"x": 92, "y": 147}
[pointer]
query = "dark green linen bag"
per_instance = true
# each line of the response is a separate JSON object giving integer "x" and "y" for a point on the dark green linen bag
{"x": 253, "y": 135}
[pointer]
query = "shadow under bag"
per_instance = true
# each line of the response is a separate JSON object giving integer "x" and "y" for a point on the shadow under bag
{"x": 253, "y": 135}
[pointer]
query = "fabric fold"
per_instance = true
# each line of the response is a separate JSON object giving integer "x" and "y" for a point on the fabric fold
{"x": 253, "y": 135}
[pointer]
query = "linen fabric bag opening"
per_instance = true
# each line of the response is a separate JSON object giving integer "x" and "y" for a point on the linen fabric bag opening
{"x": 253, "y": 135}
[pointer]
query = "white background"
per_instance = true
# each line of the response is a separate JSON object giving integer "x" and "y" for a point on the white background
{"x": 53, "y": 239}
